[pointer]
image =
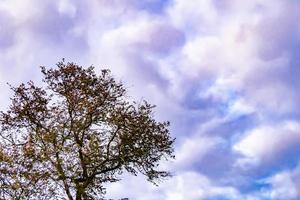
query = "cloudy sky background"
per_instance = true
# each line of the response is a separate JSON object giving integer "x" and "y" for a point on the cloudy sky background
{"x": 224, "y": 72}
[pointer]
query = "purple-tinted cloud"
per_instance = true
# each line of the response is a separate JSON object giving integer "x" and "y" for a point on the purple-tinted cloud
{"x": 7, "y": 34}
{"x": 224, "y": 72}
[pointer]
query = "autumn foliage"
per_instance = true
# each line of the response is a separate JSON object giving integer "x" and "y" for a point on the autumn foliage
{"x": 64, "y": 140}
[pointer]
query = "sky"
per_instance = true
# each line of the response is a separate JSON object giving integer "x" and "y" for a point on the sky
{"x": 223, "y": 72}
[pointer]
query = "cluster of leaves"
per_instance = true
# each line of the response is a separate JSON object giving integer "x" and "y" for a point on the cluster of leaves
{"x": 79, "y": 131}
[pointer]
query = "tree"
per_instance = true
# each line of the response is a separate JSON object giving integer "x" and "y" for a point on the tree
{"x": 64, "y": 140}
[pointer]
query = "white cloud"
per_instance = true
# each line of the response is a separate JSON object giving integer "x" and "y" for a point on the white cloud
{"x": 187, "y": 185}
{"x": 283, "y": 184}
{"x": 66, "y": 6}
{"x": 266, "y": 143}
{"x": 283, "y": 187}
{"x": 233, "y": 54}
{"x": 194, "y": 186}
{"x": 193, "y": 149}
{"x": 232, "y": 51}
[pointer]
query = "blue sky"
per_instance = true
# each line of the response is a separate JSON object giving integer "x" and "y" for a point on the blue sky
{"x": 223, "y": 72}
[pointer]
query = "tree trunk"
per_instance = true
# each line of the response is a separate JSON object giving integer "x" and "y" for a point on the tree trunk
{"x": 79, "y": 192}
{"x": 78, "y": 195}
